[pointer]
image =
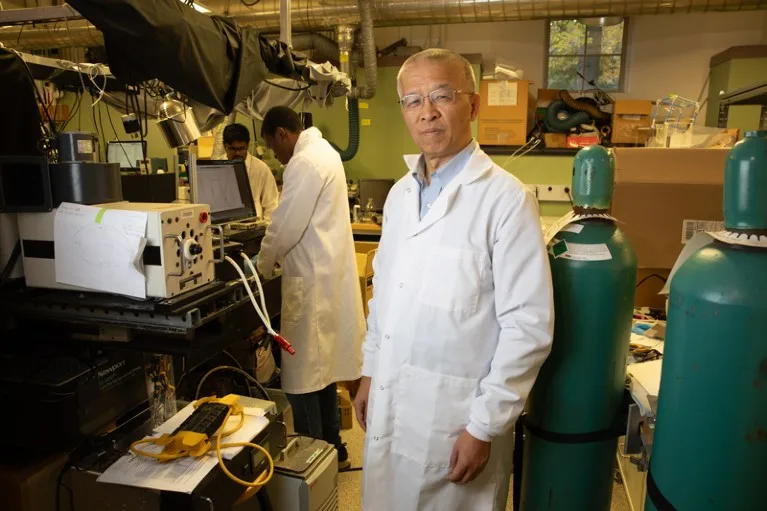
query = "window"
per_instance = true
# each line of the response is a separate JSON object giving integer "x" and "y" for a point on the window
{"x": 595, "y": 48}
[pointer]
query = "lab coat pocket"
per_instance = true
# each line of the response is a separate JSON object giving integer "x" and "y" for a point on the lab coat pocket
{"x": 431, "y": 410}
{"x": 452, "y": 280}
{"x": 292, "y": 299}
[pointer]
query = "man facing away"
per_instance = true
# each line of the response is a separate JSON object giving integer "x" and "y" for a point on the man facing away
{"x": 462, "y": 314}
{"x": 262, "y": 183}
{"x": 321, "y": 301}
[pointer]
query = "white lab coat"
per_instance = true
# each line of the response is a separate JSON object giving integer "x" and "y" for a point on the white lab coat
{"x": 262, "y": 186}
{"x": 321, "y": 301}
{"x": 460, "y": 322}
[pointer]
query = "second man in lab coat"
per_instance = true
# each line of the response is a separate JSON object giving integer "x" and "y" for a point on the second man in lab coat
{"x": 322, "y": 314}
{"x": 262, "y": 183}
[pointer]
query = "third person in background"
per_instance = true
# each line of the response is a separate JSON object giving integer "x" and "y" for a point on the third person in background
{"x": 322, "y": 314}
{"x": 262, "y": 183}
{"x": 462, "y": 315}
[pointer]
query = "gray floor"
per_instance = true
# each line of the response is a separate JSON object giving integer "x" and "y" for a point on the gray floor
{"x": 350, "y": 484}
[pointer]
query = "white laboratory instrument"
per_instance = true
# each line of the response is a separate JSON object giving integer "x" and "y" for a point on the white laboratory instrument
{"x": 177, "y": 258}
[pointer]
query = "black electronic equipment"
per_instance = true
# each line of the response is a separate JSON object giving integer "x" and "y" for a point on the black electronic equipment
{"x": 149, "y": 187}
{"x": 80, "y": 390}
{"x": 25, "y": 184}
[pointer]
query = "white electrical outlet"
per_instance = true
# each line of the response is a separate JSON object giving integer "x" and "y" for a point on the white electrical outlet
{"x": 550, "y": 193}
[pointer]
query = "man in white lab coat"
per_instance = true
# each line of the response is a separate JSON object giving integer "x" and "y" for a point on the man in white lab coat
{"x": 262, "y": 183}
{"x": 462, "y": 314}
{"x": 322, "y": 314}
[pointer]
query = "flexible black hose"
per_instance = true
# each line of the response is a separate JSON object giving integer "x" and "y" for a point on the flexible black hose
{"x": 553, "y": 123}
{"x": 354, "y": 132}
{"x": 581, "y": 106}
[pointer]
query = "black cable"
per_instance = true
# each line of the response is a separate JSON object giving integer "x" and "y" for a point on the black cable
{"x": 145, "y": 133}
{"x": 103, "y": 131}
{"x": 95, "y": 124}
{"x": 287, "y": 88}
{"x": 651, "y": 276}
{"x": 350, "y": 469}
{"x": 137, "y": 106}
{"x": 239, "y": 366}
{"x": 249, "y": 4}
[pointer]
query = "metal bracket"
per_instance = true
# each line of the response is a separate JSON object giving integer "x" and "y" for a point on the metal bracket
{"x": 222, "y": 243}
{"x": 181, "y": 254}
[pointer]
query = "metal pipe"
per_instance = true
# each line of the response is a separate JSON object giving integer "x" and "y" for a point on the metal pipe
{"x": 309, "y": 15}
{"x": 370, "y": 59}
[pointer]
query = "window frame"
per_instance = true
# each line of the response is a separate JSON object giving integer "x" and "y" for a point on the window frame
{"x": 624, "y": 47}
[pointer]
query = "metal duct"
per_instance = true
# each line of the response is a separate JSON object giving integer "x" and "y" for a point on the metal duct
{"x": 370, "y": 59}
{"x": 308, "y": 15}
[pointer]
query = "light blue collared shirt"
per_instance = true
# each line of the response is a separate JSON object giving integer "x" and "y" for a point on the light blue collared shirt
{"x": 441, "y": 178}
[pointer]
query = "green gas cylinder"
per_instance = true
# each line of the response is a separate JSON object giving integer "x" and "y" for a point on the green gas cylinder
{"x": 570, "y": 443}
{"x": 710, "y": 444}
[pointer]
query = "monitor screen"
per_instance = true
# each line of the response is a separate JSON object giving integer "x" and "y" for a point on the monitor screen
{"x": 127, "y": 154}
{"x": 224, "y": 186}
{"x": 377, "y": 189}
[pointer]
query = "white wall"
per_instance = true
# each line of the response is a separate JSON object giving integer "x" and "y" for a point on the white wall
{"x": 666, "y": 53}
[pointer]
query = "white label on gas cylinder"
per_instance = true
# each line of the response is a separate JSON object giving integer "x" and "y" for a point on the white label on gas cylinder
{"x": 583, "y": 252}
{"x": 85, "y": 146}
{"x": 574, "y": 228}
{"x": 692, "y": 227}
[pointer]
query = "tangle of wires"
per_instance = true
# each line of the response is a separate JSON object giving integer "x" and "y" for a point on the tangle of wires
{"x": 283, "y": 87}
{"x": 133, "y": 105}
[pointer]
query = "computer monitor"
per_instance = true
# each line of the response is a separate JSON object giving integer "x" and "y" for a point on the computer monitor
{"x": 224, "y": 186}
{"x": 127, "y": 153}
{"x": 378, "y": 189}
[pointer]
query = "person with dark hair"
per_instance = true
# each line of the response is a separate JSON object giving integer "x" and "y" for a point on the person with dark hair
{"x": 321, "y": 302}
{"x": 262, "y": 183}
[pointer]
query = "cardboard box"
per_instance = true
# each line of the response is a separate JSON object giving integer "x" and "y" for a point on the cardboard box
{"x": 345, "y": 412}
{"x": 365, "y": 274}
{"x": 555, "y": 140}
{"x": 630, "y": 116}
{"x": 506, "y": 112}
{"x": 665, "y": 196}
{"x": 30, "y": 485}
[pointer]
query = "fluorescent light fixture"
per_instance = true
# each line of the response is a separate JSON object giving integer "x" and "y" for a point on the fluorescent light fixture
{"x": 198, "y": 7}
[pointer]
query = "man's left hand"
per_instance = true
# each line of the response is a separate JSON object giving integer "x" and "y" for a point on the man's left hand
{"x": 469, "y": 458}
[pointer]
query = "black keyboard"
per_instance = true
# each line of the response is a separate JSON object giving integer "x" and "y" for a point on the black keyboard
{"x": 207, "y": 418}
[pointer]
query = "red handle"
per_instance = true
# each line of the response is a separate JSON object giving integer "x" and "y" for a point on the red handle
{"x": 284, "y": 344}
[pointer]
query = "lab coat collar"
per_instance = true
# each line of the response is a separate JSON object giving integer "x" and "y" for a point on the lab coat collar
{"x": 306, "y": 138}
{"x": 478, "y": 165}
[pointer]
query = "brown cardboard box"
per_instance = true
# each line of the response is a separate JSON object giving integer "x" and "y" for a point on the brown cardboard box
{"x": 506, "y": 112}
{"x": 555, "y": 140}
{"x": 31, "y": 485}
{"x": 629, "y": 116}
{"x": 345, "y": 408}
{"x": 663, "y": 196}
{"x": 365, "y": 274}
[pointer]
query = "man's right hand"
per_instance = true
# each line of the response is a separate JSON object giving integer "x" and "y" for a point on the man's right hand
{"x": 361, "y": 402}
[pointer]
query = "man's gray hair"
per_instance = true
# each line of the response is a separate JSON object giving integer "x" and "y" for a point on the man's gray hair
{"x": 441, "y": 55}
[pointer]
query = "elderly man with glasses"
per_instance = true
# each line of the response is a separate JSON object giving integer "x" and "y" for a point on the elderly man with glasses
{"x": 462, "y": 314}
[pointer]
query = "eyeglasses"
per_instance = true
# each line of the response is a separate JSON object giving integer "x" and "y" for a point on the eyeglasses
{"x": 437, "y": 98}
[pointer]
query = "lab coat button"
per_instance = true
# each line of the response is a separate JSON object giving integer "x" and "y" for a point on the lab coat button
{"x": 382, "y": 387}
{"x": 401, "y": 284}
{"x": 375, "y": 438}
{"x": 408, "y": 190}
{"x": 387, "y": 336}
